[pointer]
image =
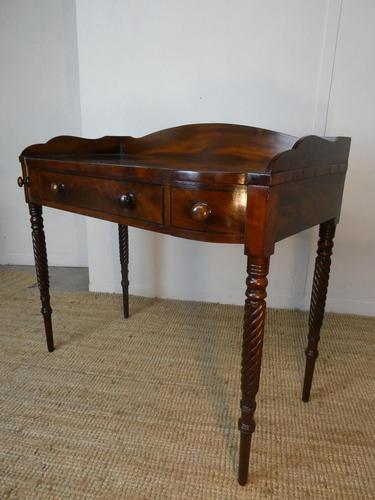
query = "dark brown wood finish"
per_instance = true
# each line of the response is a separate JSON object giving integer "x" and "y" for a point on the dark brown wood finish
{"x": 253, "y": 330}
{"x": 209, "y": 182}
{"x": 41, "y": 268}
{"x": 318, "y": 300}
{"x": 108, "y": 197}
{"x": 124, "y": 261}
{"x": 209, "y": 211}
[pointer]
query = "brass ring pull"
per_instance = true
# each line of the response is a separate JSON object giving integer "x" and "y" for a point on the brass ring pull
{"x": 57, "y": 187}
{"x": 23, "y": 181}
{"x": 201, "y": 211}
{"x": 127, "y": 200}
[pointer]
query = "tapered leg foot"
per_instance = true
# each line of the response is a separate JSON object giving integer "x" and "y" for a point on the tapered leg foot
{"x": 41, "y": 267}
{"x": 318, "y": 301}
{"x": 245, "y": 445}
{"x": 124, "y": 261}
{"x": 254, "y": 317}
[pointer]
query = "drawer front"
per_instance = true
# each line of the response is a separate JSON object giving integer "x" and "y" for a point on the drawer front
{"x": 130, "y": 199}
{"x": 209, "y": 211}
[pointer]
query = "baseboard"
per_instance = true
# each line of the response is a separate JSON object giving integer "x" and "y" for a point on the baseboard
{"x": 277, "y": 301}
{"x": 59, "y": 260}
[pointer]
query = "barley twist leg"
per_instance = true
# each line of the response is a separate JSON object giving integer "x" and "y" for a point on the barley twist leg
{"x": 318, "y": 300}
{"x": 254, "y": 317}
{"x": 41, "y": 267}
{"x": 124, "y": 260}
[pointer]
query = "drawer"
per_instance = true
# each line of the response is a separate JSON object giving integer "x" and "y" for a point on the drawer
{"x": 209, "y": 211}
{"x": 130, "y": 199}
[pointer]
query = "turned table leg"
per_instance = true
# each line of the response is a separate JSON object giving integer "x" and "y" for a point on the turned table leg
{"x": 41, "y": 267}
{"x": 124, "y": 260}
{"x": 254, "y": 316}
{"x": 318, "y": 300}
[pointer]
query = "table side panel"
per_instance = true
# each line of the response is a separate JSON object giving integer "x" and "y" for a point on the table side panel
{"x": 294, "y": 207}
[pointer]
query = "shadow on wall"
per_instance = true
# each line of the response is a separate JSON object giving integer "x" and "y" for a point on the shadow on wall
{"x": 167, "y": 267}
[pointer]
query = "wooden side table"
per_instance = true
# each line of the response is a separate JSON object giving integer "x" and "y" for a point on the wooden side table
{"x": 208, "y": 182}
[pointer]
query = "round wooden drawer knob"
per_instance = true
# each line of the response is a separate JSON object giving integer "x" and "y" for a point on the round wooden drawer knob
{"x": 200, "y": 212}
{"x": 57, "y": 187}
{"x": 127, "y": 200}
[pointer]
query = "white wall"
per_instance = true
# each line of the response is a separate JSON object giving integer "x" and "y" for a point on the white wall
{"x": 352, "y": 112}
{"x": 295, "y": 66}
{"x": 39, "y": 98}
{"x": 148, "y": 65}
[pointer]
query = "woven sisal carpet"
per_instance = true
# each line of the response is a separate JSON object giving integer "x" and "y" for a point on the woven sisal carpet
{"x": 147, "y": 408}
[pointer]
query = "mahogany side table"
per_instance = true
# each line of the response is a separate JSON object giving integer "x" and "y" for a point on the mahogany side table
{"x": 209, "y": 182}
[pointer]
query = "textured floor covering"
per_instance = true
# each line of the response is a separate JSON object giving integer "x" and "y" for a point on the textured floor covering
{"x": 147, "y": 408}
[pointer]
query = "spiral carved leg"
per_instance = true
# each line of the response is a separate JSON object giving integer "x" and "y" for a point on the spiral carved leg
{"x": 254, "y": 316}
{"x": 124, "y": 260}
{"x": 318, "y": 300}
{"x": 41, "y": 267}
